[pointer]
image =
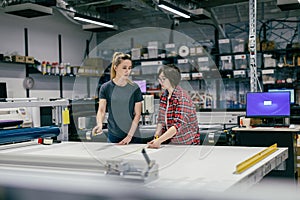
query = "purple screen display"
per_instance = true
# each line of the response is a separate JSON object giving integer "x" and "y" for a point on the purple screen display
{"x": 268, "y": 104}
{"x": 142, "y": 84}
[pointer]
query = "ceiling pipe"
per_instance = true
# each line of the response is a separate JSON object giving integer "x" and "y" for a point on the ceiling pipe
{"x": 61, "y": 6}
{"x": 94, "y": 3}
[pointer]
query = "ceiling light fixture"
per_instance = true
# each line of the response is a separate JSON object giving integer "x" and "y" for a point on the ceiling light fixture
{"x": 93, "y": 20}
{"x": 171, "y": 8}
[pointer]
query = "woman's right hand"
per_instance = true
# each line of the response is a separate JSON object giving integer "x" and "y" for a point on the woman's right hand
{"x": 154, "y": 144}
{"x": 97, "y": 130}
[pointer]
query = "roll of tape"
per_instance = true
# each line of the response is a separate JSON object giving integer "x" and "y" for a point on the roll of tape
{"x": 88, "y": 135}
{"x": 184, "y": 51}
{"x": 48, "y": 141}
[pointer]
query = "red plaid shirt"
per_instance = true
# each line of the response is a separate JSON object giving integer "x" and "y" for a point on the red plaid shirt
{"x": 181, "y": 113}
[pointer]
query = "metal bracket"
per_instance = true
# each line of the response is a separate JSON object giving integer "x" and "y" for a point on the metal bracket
{"x": 132, "y": 169}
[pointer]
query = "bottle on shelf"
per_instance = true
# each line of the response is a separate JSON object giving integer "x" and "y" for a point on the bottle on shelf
{"x": 48, "y": 68}
{"x": 62, "y": 69}
{"x": 68, "y": 69}
{"x": 44, "y": 68}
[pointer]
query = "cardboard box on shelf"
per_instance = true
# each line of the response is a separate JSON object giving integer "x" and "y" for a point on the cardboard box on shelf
{"x": 29, "y": 59}
{"x": 268, "y": 76}
{"x": 185, "y": 76}
{"x": 239, "y": 74}
{"x": 268, "y": 45}
{"x": 240, "y": 61}
{"x": 136, "y": 53}
{"x": 255, "y": 121}
{"x": 224, "y": 45}
{"x": 227, "y": 62}
{"x": 95, "y": 62}
{"x": 238, "y": 45}
{"x": 203, "y": 64}
{"x": 19, "y": 59}
{"x": 170, "y": 50}
{"x": 152, "y": 49}
{"x": 269, "y": 61}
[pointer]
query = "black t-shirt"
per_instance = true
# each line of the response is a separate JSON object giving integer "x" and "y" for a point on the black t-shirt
{"x": 120, "y": 106}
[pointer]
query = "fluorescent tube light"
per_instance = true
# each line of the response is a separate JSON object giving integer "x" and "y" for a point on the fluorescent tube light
{"x": 171, "y": 8}
{"x": 93, "y": 20}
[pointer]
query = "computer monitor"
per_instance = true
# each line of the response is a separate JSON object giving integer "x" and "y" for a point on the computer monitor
{"x": 268, "y": 104}
{"x": 291, "y": 90}
{"x": 3, "y": 90}
{"x": 142, "y": 84}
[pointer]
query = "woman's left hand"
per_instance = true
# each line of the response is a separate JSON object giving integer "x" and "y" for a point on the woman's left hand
{"x": 126, "y": 140}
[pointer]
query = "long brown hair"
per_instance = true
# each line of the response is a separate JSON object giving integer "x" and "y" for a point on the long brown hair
{"x": 171, "y": 72}
{"x": 116, "y": 60}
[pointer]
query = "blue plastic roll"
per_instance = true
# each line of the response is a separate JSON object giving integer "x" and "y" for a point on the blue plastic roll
{"x": 26, "y": 134}
{"x": 10, "y": 122}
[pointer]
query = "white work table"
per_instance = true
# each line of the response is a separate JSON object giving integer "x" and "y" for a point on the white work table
{"x": 275, "y": 129}
{"x": 266, "y": 136}
{"x": 205, "y": 167}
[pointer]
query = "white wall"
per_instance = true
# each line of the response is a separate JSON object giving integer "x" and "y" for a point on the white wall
{"x": 42, "y": 45}
{"x": 13, "y": 75}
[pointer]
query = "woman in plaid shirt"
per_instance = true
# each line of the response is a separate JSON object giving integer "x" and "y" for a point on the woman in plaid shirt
{"x": 177, "y": 120}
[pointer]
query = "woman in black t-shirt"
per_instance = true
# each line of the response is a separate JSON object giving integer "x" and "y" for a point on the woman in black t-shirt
{"x": 123, "y": 100}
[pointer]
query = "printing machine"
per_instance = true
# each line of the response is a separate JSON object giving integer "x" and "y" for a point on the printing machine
{"x": 17, "y": 114}
{"x": 20, "y": 120}
{"x": 215, "y": 127}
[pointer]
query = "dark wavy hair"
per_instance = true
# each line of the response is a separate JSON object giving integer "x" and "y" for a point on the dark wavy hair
{"x": 171, "y": 72}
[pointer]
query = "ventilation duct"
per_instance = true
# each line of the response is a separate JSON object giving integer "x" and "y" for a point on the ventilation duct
{"x": 288, "y": 4}
{"x": 200, "y": 13}
{"x": 28, "y": 10}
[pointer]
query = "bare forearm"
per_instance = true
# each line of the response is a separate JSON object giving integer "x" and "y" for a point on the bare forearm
{"x": 158, "y": 129}
{"x": 134, "y": 125}
{"x": 168, "y": 134}
{"x": 100, "y": 117}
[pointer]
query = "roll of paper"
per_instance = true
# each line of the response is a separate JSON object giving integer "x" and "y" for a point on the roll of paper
{"x": 26, "y": 134}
